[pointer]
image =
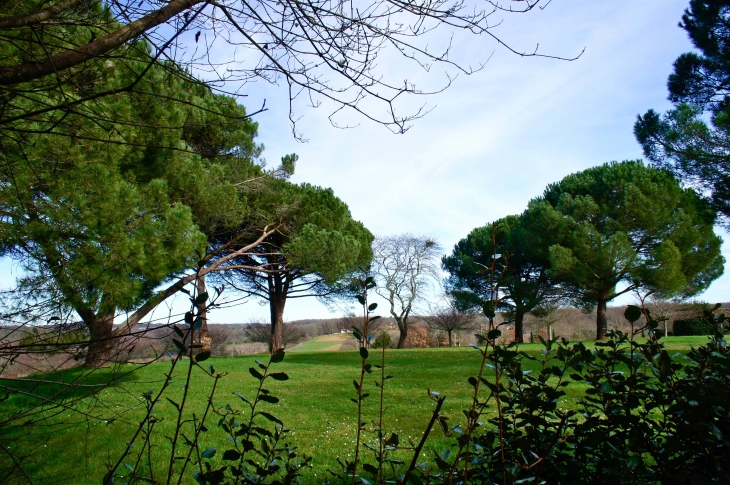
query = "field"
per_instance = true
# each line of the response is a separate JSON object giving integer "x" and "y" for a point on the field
{"x": 315, "y": 404}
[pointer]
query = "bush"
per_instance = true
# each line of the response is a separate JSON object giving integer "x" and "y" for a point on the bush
{"x": 694, "y": 326}
{"x": 382, "y": 340}
{"x": 419, "y": 337}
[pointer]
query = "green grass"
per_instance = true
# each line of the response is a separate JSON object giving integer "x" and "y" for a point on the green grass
{"x": 316, "y": 344}
{"x": 315, "y": 404}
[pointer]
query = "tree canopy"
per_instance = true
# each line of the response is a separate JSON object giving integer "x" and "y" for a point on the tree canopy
{"x": 318, "y": 243}
{"x": 693, "y": 146}
{"x": 522, "y": 273}
{"x": 323, "y": 51}
{"x": 103, "y": 215}
{"x": 626, "y": 223}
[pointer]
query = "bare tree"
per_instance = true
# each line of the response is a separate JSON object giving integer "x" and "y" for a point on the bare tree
{"x": 404, "y": 267}
{"x": 261, "y": 332}
{"x": 322, "y": 50}
{"x": 447, "y": 318}
{"x": 351, "y": 320}
{"x": 550, "y": 315}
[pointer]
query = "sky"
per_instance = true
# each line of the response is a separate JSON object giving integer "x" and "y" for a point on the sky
{"x": 493, "y": 140}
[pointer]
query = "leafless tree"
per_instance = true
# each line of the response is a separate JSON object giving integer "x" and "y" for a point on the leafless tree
{"x": 550, "y": 315}
{"x": 447, "y": 318}
{"x": 352, "y": 320}
{"x": 661, "y": 309}
{"x": 329, "y": 51}
{"x": 261, "y": 332}
{"x": 404, "y": 267}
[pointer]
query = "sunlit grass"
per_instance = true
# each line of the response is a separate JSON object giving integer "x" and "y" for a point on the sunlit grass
{"x": 315, "y": 404}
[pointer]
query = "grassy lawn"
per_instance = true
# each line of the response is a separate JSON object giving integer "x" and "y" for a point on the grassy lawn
{"x": 315, "y": 404}
{"x": 323, "y": 342}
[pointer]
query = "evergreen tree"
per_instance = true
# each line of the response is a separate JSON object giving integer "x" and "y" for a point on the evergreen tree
{"x": 316, "y": 246}
{"x": 693, "y": 146}
{"x": 103, "y": 215}
{"x": 522, "y": 272}
{"x": 626, "y": 223}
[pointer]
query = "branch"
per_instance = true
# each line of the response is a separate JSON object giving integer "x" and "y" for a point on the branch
{"x": 8, "y": 23}
{"x": 29, "y": 71}
{"x": 153, "y": 302}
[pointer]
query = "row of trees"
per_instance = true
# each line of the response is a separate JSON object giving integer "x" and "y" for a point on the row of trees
{"x": 122, "y": 170}
{"x": 624, "y": 224}
{"x": 112, "y": 219}
{"x": 595, "y": 235}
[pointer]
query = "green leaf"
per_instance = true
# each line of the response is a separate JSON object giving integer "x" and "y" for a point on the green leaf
{"x": 204, "y": 355}
{"x": 279, "y": 376}
{"x": 278, "y": 356}
{"x": 208, "y": 453}
{"x": 201, "y": 298}
{"x": 199, "y": 478}
{"x": 269, "y": 399}
{"x": 632, "y": 313}
{"x": 189, "y": 318}
{"x": 231, "y": 455}
{"x": 442, "y": 464}
{"x": 363, "y": 352}
{"x": 272, "y": 418}
{"x": 605, "y": 388}
{"x": 178, "y": 344}
{"x": 488, "y": 309}
{"x": 360, "y": 299}
{"x": 494, "y": 334}
{"x": 413, "y": 478}
{"x": 393, "y": 440}
{"x": 177, "y": 406}
{"x": 255, "y": 373}
{"x": 372, "y": 306}
{"x": 242, "y": 397}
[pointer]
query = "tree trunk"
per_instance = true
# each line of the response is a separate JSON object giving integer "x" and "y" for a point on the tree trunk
{"x": 204, "y": 337}
{"x": 403, "y": 327}
{"x": 519, "y": 326}
{"x": 276, "y": 305}
{"x": 601, "y": 321}
{"x": 101, "y": 342}
{"x": 450, "y": 341}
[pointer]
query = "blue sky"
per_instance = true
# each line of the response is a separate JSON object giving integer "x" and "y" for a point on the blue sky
{"x": 494, "y": 139}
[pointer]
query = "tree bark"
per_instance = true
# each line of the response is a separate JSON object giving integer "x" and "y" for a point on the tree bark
{"x": 278, "y": 291}
{"x": 451, "y": 344}
{"x": 601, "y": 320}
{"x": 403, "y": 327}
{"x": 519, "y": 326}
{"x": 101, "y": 342}
{"x": 276, "y": 305}
{"x": 204, "y": 337}
{"x": 29, "y": 71}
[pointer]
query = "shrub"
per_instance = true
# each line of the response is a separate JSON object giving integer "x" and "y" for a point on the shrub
{"x": 694, "y": 326}
{"x": 382, "y": 340}
{"x": 419, "y": 337}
